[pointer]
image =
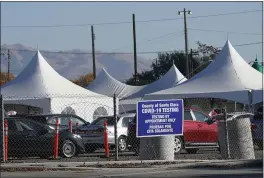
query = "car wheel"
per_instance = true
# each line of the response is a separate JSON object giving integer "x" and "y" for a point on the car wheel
{"x": 122, "y": 144}
{"x": 68, "y": 149}
{"x": 192, "y": 150}
{"x": 178, "y": 145}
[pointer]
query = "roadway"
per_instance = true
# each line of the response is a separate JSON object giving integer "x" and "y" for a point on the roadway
{"x": 161, "y": 172}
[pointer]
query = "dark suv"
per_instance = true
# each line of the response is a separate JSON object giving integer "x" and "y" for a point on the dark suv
{"x": 27, "y": 137}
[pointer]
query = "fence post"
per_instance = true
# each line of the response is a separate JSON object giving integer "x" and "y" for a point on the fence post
{"x": 6, "y": 140}
{"x": 226, "y": 135}
{"x": 56, "y": 139}
{"x": 70, "y": 125}
{"x": 76, "y": 129}
{"x": 250, "y": 97}
{"x": 116, "y": 136}
{"x": 2, "y": 126}
{"x": 106, "y": 140}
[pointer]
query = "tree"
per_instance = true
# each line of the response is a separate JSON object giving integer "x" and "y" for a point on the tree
{"x": 143, "y": 78}
{"x": 4, "y": 77}
{"x": 84, "y": 80}
{"x": 205, "y": 53}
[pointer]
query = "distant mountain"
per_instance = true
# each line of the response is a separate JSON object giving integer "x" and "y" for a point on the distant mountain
{"x": 71, "y": 65}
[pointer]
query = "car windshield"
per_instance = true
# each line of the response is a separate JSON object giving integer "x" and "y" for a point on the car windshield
{"x": 100, "y": 121}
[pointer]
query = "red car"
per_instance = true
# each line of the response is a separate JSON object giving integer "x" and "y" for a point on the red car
{"x": 199, "y": 132}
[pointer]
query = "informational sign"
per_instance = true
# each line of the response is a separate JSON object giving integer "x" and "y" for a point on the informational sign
{"x": 160, "y": 118}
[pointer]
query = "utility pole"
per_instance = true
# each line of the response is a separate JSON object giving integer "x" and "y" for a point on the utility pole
{"x": 186, "y": 38}
{"x": 93, "y": 51}
{"x": 135, "y": 48}
{"x": 192, "y": 53}
{"x": 8, "y": 62}
{"x": 191, "y": 64}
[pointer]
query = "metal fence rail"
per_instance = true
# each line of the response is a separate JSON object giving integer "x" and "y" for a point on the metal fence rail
{"x": 58, "y": 128}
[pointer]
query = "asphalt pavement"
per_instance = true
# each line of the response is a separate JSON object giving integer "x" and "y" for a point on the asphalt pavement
{"x": 99, "y": 155}
{"x": 142, "y": 173}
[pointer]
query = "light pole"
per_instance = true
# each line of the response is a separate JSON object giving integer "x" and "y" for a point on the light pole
{"x": 185, "y": 37}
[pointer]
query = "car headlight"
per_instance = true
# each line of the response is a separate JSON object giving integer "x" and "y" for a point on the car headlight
{"x": 76, "y": 136}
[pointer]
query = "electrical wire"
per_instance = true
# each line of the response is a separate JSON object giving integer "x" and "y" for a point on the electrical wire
{"x": 144, "y": 52}
{"x": 118, "y": 23}
{"x": 230, "y": 32}
{"x": 151, "y": 39}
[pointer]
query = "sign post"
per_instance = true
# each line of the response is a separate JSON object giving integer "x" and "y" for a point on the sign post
{"x": 158, "y": 122}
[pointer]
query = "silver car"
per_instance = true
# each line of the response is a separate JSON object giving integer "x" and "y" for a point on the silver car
{"x": 93, "y": 134}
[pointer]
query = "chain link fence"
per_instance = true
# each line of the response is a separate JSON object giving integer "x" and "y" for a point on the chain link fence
{"x": 99, "y": 128}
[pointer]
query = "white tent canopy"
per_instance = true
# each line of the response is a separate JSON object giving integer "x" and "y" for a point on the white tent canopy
{"x": 229, "y": 77}
{"x": 105, "y": 84}
{"x": 40, "y": 85}
{"x": 172, "y": 78}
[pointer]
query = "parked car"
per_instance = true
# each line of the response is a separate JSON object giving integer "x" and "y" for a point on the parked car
{"x": 27, "y": 137}
{"x": 93, "y": 134}
{"x": 257, "y": 128}
{"x": 199, "y": 131}
{"x": 50, "y": 119}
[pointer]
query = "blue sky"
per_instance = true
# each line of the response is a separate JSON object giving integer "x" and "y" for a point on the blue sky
{"x": 118, "y": 38}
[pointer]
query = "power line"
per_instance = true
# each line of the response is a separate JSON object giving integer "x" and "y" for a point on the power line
{"x": 127, "y": 22}
{"x": 151, "y": 39}
{"x": 222, "y": 31}
{"x": 113, "y": 53}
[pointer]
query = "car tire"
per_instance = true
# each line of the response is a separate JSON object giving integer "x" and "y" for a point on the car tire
{"x": 68, "y": 149}
{"x": 192, "y": 150}
{"x": 122, "y": 144}
{"x": 178, "y": 145}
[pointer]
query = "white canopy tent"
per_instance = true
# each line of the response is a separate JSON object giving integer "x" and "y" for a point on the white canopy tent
{"x": 229, "y": 77}
{"x": 39, "y": 85}
{"x": 172, "y": 78}
{"x": 105, "y": 84}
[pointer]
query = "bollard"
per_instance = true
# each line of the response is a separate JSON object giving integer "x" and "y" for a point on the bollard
{"x": 56, "y": 140}
{"x": 5, "y": 140}
{"x": 106, "y": 140}
{"x": 76, "y": 130}
{"x": 70, "y": 125}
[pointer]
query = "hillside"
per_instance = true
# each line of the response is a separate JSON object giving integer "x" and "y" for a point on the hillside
{"x": 70, "y": 64}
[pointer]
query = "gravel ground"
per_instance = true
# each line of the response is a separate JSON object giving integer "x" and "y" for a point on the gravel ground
{"x": 203, "y": 154}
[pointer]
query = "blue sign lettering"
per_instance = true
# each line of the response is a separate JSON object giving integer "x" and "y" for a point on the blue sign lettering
{"x": 159, "y": 118}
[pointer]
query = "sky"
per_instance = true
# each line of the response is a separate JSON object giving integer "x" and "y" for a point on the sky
{"x": 119, "y": 37}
